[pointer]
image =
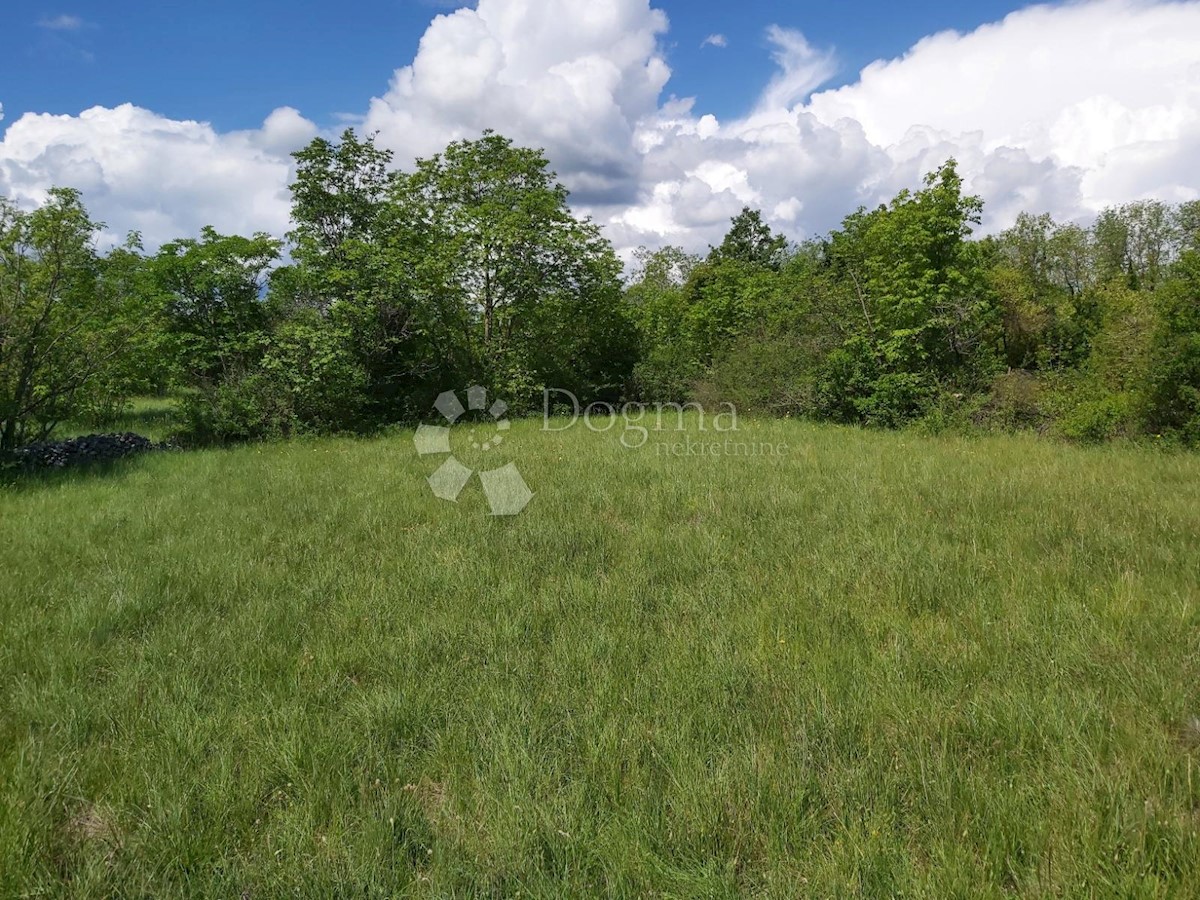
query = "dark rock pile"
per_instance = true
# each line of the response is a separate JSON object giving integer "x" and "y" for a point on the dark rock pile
{"x": 79, "y": 451}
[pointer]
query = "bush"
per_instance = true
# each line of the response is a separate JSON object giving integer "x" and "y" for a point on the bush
{"x": 1172, "y": 384}
{"x": 851, "y": 388}
{"x": 1096, "y": 421}
{"x": 760, "y": 374}
{"x": 1013, "y": 403}
{"x": 310, "y": 370}
{"x": 244, "y": 407}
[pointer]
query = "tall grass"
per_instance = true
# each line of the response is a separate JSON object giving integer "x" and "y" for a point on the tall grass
{"x": 874, "y": 665}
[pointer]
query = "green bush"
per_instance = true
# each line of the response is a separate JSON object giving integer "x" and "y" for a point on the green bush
{"x": 248, "y": 406}
{"x": 851, "y": 388}
{"x": 767, "y": 374}
{"x": 311, "y": 371}
{"x": 1013, "y": 403}
{"x": 1096, "y": 421}
{"x": 1172, "y": 385}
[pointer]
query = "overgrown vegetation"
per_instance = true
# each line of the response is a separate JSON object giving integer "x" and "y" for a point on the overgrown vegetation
{"x": 393, "y": 286}
{"x": 901, "y": 317}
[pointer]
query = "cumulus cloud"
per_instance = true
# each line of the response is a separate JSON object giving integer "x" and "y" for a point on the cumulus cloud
{"x": 714, "y": 40}
{"x": 1060, "y": 108}
{"x": 573, "y": 78}
{"x": 162, "y": 177}
{"x": 1057, "y": 108}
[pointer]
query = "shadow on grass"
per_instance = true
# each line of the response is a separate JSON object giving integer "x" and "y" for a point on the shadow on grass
{"x": 150, "y": 421}
{"x": 154, "y": 417}
{"x": 17, "y": 478}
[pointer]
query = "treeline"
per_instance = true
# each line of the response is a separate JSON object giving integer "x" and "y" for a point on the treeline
{"x": 900, "y": 317}
{"x": 394, "y": 286}
{"x": 390, "y": 288}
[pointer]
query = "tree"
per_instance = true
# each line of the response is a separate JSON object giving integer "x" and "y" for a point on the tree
{"x": 667, "y": 362}
{"x": 1136, "y": 242}
{"x": 750, "y": 240}
{"x": 337, "y": 200}
{"x": 1040, "y": 273}
{"x": 360, "y": 265}
{"x": 1173, "y": 374}
{"x": 214, "y": 288}
{"x": 497, "y": 235}
{"x": 927, "y": 312}
{"x": 62, "y": 327}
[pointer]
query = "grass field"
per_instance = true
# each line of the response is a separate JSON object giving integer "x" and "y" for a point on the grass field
{"x": 874, "y": 665}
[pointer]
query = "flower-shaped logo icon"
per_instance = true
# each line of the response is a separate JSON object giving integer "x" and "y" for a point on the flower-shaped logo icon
{"x": 505, "y": 489}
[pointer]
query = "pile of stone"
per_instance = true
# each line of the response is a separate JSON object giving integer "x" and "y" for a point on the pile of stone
{"x": 80, "y": 451}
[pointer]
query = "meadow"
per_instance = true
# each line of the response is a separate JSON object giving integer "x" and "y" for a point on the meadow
{"x": 873, "y": 664}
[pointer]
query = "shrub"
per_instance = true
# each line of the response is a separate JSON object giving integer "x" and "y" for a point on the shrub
{"x": 246, "y": 406}
{"x": 760, "y": 374}
{"x": 311, "y": 371}
{"x": 851, "y": 388}
{"x": 1172, "y": 384}
{"x": 1095, "y": 421}
{"x": 1013, "y": 403}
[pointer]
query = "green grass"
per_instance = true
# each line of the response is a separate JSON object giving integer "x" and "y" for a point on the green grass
{"x": 152, "y": 417}
{"x": 877, "y": 665}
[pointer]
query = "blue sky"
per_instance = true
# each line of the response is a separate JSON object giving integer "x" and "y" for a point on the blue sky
{"x": 230, "y": 62}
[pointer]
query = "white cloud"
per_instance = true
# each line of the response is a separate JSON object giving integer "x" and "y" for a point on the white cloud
{"x": 165, "y": 178}
{"x": 714, "y": 40}
{"x": 1058, "y": 108}
{"x": 61, "y": 22}
{"x": 573, "y": 78}
{"x": 802, "y": 69}
{"x": 1061, "y": 108}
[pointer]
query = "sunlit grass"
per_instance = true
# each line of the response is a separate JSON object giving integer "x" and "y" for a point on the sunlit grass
{"x": 873, "y": 664}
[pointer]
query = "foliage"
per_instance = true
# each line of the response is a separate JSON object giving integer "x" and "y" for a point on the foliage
{"x": 65, "y": 321}
{"x": 900, "y": 316}
{"x": 394, "y": 286}
{"x": 751, "y": 241}
{"x": 1172, "y": 374}
{"x": 538, "y": 287}
{"x": 215, "y": 308}
{"x": 1014, "y": 402}
{"x": 1097, "y": 420}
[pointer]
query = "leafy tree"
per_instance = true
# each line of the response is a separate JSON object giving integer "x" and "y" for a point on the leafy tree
{"x": 496, "y": 235}
{"x": 1187, "y": 225}
{"x": 147, "y": 364}
{"x": 667, "y": 362}
{"x": 63, "y": 326}
{"x": 751, "y": 241}
{"x": 338, "y": 197}
{"x": 721, "y": 298}
{"x": 690, "y": 312}
{"x": 1135, "y": 242}
{"x": 366, "y": 270}
{"x": 1173, "y": 373}
{"x": 927, "y": 313}
{"x": 216, "y": 310}
{"x": 220, "y": 325}
{"x": 1041, "y": 276}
